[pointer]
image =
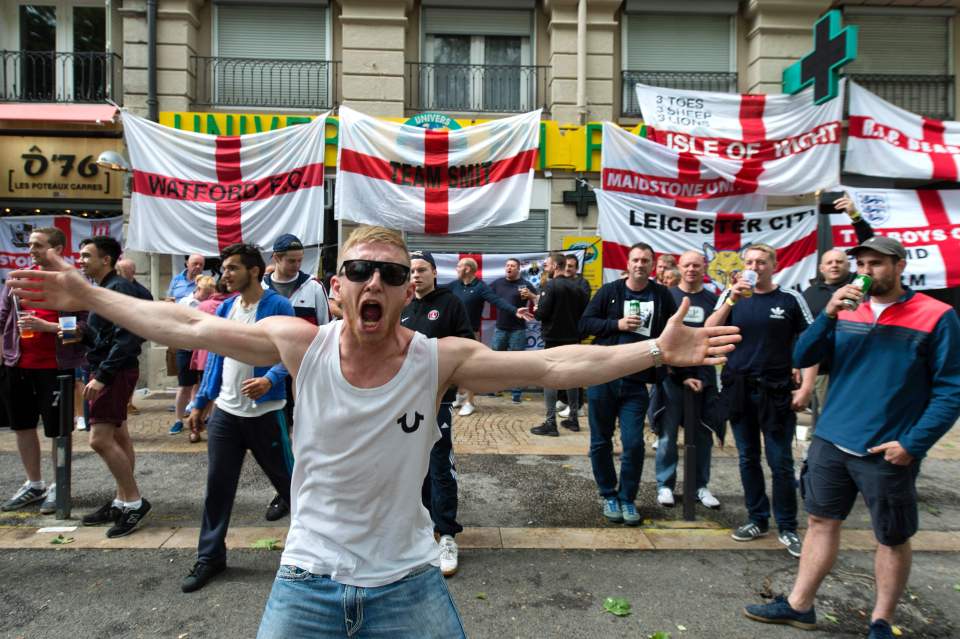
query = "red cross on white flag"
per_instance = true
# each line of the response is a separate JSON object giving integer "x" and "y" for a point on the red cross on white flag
{"x": 198, "y": 193}
{"x": 435, "y": 180}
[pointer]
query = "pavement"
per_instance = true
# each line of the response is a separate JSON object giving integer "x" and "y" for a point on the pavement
{"x": 537, "y": 558}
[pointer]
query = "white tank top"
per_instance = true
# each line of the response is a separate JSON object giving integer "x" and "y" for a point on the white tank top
{"x": 361, "y": 455}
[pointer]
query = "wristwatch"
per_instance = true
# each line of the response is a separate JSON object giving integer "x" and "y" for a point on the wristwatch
{"x": 655, "y": 352}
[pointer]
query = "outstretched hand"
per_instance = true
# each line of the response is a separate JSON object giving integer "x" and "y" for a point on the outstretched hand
{"x": 685, "y": 346}
{"x": 60, "y": 287}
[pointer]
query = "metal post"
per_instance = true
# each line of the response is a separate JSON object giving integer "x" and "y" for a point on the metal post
{"x": 691, "y": 422}
{"x": 64, "y": 446}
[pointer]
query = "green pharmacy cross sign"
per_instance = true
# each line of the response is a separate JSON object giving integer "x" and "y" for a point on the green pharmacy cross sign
{"x": 833, "y": 47}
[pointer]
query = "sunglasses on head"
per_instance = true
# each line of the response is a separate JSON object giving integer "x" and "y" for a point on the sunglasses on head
{"x": 391, "y": 273}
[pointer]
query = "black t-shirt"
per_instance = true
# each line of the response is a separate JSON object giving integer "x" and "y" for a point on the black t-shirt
{"x": 769, "y": 324}
{"x": 510, "y": 291}
{"x": 702, "y": 304}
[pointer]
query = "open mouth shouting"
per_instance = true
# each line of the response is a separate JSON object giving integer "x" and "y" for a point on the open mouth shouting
{"x": 371, "y": 312}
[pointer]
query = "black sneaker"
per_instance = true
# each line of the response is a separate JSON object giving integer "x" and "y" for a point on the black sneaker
{"x": 24, "y": 497}
{"x": 779, "y": 611}
{"x": 571, "y": 425}
{"x": 748, "y": 532}
{"x": 106, "y": 514}
{"x": 547, "y": 428}
{"x": 129, "y": 520}
{"x": 791, "y": 540}
{"x": 278, "y": 509}
{"x": 200, "y": 574}
{"x": 880, "y": 629}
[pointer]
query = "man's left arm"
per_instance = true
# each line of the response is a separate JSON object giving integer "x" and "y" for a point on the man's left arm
{"x": 491, "y": 297}
{"x": 943, "y": 407}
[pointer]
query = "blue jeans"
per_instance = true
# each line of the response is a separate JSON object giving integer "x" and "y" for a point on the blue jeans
{"x": 302, "y": 604}
{"x": 627, "y": 400}
{"x": 667, "y": 445}
{"x": 510, "y": 341}
{"x": 779, "y": 449}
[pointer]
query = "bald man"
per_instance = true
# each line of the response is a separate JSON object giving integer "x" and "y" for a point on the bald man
{"x": 127, "y": 269}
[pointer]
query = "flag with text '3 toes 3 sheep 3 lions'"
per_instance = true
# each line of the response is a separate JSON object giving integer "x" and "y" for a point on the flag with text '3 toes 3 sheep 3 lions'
{"x": 198, "y": 193}
{"x": 435, "y": 181}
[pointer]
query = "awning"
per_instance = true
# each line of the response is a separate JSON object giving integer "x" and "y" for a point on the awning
{"x": 99, "y": 113}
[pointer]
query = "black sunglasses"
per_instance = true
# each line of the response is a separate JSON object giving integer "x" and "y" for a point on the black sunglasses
{"x": 391, "y": 273}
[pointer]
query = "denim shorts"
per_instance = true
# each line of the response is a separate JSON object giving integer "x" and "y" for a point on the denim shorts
{"x": 831, "y": 478}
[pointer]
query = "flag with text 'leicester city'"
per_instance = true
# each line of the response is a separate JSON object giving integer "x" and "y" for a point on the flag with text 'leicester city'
{"x": 721, "y": 237}
{"x": 887, "y": 141}
{"x": 783, "y": 144}
{"x": 198, "y": 193}
{"x": 435, "y": 181}
{"x": 632, "y": 164}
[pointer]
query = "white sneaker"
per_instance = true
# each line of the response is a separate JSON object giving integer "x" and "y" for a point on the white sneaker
{"x": 458, "y": 402}
{"x": 81, "y": 423}
{"x": 49, "y": 505}
{"x": 448, "y": 556}
{"x": 467, "y": 409}
{"x": 665, "y": 497}
{"x": 560, "y": 405}
{"x": 565, "y": 413}
{"x": 707, "y": 499}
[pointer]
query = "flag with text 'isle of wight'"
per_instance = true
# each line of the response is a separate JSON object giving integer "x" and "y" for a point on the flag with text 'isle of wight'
{"x": 435, "y": 181}
{"x": 783, "y": 144}
{"x": 632, "y": 164}
{"x": 198, "y": 193}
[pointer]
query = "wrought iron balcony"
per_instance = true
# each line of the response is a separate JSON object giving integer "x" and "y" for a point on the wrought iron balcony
{"x": 475, "y": 88}
{"x": 59, "y": 76}
{"x": 929, "y": 95}
{"x": 261, "y": 82}
{"x": 689, "y": 80}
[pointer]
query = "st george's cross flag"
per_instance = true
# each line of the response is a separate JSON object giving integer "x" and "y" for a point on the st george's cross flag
{"x": 722, "y": 238}
{"x": 15, "y": 236}
{"x": 783, "y": 144}
{"x": 435, "y": 181}
{"x": 632, "y": 164}
{"x": 926, "y": 222}
{"x": 198, "y": 193}
{"x": 887, "y": 141}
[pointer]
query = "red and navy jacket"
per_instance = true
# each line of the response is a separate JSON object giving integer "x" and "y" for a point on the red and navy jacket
{"x": 896, "y": 378}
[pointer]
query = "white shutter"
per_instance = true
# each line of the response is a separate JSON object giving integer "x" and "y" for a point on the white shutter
{"x": 502, "y": 22}
{"x": 528, "y": 236}
{"x": 678, "y": 43}
{"x": 901, "y": 44}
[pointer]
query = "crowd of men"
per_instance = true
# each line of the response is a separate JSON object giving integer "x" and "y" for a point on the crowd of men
{"x": 407, "y": 342}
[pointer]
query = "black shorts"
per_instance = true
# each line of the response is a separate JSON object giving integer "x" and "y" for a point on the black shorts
{"x": 185, "y": 375}
{"x": 831, "y": 479}
{"x": 29, "y": 395}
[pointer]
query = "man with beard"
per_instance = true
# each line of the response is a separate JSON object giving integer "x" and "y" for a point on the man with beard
{"x": 437, "y": 312}
{"x": 905, "y": 347}
{"x": 360, "y": 555}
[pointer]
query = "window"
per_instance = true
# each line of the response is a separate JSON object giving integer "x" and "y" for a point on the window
{"x": 904, "y": 57}
{"x": 477, "y": 60}
{"x": 270, "y": 56}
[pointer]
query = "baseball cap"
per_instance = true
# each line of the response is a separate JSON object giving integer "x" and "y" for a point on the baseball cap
{"x": 426, "y": 256}
{"x": 880, "y": 244}
{"x": 287, "y": 242}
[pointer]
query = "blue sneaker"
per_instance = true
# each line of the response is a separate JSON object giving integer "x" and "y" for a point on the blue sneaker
{"x": 177, "y": 428}
{"x": 517, "y": 399}
{"x": 611, "y": 510}
{"x": 630, "y": 515}
{"x": 779, "y": 611}
{"x": 880, "y": 629}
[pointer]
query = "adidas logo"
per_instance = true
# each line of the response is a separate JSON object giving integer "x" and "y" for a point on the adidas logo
{"x": 777, "y": 313}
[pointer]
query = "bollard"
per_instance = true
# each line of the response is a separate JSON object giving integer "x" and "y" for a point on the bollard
{"x": 691, "y": 422}
{"x": 64, "y": 445}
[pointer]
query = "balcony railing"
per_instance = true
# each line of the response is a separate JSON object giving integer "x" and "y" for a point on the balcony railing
{"x": 690, "y": 80}
{"x": 475, "y": 88}
{"x": 59, "y": 76}
{"x": 260, "y": 82}
{"x": 929, "y": 95}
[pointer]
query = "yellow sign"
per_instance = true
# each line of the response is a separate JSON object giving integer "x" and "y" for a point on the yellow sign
{"x": 52, "y": 167}
{"x": 592, "y": 247}
{"x": 563, "y": 147}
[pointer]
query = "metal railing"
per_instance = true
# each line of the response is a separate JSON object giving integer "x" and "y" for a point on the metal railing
{"x": 261, "y": 82}
{"x": 475, "y": 88}
{"x": 690, "y": 80}
{"x": 929, "y": 95}
{"x": 59, "y": 76}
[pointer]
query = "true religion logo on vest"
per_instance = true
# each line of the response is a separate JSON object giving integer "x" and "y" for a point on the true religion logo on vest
{"x": 402, "y": 420}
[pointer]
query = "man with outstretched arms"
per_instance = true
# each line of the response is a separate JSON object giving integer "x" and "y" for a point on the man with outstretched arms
{"x": 360, "y": 554}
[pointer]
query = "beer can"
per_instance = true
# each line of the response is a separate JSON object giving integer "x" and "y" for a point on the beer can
{"x": 633, "y": 307}
{"x": 863, "y": 282}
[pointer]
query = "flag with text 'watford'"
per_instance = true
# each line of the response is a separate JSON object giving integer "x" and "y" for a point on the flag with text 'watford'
{"x": 632, "y": 164}
{"x": 722, "y": 238}
{"x": 926, "y": 222}
{"x": 887, "y": 141}
{"x": 435, "y": 181}
{"x": 198, "y": 193}
{"x": 782, "y": 144}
